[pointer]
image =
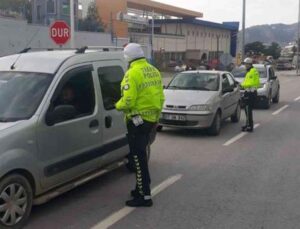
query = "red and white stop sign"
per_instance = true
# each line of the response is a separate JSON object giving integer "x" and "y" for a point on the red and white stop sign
{"x": 60, "y": 32}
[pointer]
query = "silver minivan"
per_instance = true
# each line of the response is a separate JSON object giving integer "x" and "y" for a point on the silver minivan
{"x": 58, "y": 125}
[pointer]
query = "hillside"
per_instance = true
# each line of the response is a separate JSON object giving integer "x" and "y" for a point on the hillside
{"x": 280, "y": 33}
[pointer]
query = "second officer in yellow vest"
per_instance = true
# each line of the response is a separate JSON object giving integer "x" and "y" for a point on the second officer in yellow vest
{"x": 142, "y": 100}
{"x": 250, "y": 85}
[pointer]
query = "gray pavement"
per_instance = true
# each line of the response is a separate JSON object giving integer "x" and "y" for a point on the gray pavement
{"x": 251, "y": 183}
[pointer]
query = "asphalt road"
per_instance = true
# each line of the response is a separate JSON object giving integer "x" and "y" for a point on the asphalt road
{"x": 230, "y": 181}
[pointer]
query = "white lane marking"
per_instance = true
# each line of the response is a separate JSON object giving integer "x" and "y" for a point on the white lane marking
{"x": 115, "y": 217}
{"x": 239, "y": 136}
{"x": 279, "y": 110}
{"x": 297, "y": 99}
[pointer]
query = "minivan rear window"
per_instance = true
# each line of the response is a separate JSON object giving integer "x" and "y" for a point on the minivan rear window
{"x": 21, "y": 94}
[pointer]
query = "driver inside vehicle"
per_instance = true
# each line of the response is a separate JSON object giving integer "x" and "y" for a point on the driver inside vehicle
{"x": 68, "y": 97}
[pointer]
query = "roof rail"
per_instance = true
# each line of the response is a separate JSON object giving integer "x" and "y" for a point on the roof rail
{"x": 100, "y": 48}
{"x": 77, "y": 51}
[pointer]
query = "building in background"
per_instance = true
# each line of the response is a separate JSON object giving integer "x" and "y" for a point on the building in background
{"x": 44, "y": 12}
{"x": 179, "y": 35}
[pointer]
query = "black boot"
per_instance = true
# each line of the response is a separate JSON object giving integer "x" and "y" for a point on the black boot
{"x": 244, "y": 128}
{"x": 249, "y": 129}
{"x": 134, "y": 193}
{"x": 139, "y": 202}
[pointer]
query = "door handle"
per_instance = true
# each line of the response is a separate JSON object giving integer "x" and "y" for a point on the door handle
{"x": 108, "y": 121}
{"x": 94, "y": 123}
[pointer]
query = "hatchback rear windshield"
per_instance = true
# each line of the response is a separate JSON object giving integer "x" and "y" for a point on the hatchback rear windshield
{"x": 195, "y": 81}
{"x": 21, "y": 93}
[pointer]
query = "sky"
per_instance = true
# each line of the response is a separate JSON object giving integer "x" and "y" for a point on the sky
{"x": 258, "y": 12}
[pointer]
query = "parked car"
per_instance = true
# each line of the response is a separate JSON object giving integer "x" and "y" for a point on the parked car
{"x": 58, "y": 125}
{"x": 269, "y": 90}
{"x": 284, "y": 64}
{"x": 200, "y": 100}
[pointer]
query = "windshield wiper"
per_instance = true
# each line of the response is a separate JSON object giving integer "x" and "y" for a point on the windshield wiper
{"x": 9, "y": 119}
{"x": 174, "y": 87}
{"x": 197, "y": 88}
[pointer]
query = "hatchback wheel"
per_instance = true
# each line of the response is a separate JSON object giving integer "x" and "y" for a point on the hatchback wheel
{"x": 267, "y": 102}
{"x": 237, "y": 114}
{"x": 215, "y": 128}
{"x": 276, "y": 98}
{"x": 15, "y": 201}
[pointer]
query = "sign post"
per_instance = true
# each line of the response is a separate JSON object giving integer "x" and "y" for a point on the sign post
{"x": 60, "y": 32}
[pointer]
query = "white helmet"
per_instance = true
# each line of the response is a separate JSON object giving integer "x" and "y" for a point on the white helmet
{"x": 133, "y": 51}
{"x": 248, "y": 60}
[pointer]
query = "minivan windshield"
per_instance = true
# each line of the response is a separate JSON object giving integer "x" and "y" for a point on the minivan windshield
{"x": 200, "y": 81}
{"x": 240, "y": 72}
{"x": 21, "y": 93}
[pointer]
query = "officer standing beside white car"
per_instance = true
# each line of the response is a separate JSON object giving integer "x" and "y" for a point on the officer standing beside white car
{"x": 251, "y": 83}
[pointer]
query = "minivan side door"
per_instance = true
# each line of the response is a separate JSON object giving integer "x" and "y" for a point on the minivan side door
{"x": 68, "y": 147}
{"x": 114, "y": 132}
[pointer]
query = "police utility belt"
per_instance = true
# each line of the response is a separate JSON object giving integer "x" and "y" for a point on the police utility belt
{"x": 137, "y": 120}
{"x": 251, "y": 89}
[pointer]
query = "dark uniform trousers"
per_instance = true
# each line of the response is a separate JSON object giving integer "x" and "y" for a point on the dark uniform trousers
{"x": 249, "y": 101}
{"x": 138, "y": 138}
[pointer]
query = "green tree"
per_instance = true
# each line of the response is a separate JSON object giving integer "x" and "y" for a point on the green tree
{"x": 93, "y": 21}
{"x": 273, "y": 50}
{"x": 256, "y": 47}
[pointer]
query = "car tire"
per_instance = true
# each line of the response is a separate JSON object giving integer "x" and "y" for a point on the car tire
{"x": 130, "y": 165}
{"x": 215, "y": 127}
{"x": 16, "y": 190}
{"x": 276, "y": 98}
{"x": 267, "y": 102}
{"x": 237, "y": 114}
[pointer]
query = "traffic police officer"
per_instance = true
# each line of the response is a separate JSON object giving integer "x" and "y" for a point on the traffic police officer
{"x": 142, "y": 100}
{"x": 250, "y": 85}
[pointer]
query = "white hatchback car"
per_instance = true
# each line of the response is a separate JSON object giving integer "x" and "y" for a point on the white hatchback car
{"x": 201, "y": 99}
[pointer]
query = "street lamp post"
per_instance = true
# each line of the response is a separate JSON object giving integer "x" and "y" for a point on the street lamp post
{"x": 243, "y": 30}
{"x": 152, "y": 37}
{"x": 298, "y": 35}
{"x": 72, "y": 23}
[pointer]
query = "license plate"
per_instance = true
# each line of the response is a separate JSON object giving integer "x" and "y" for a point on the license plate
{"x": 174, "y": 117}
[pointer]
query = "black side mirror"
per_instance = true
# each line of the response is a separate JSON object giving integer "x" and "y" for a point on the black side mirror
{"x": 164, "y": 86}
{"x": 60, "y": 113}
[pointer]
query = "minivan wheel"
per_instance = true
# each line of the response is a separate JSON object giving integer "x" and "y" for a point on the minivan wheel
{"x": 131, "y": 166}
{"x": 215, "y": 128}
{"x": 237, "y": 114}
{"x": 15, "y": 201}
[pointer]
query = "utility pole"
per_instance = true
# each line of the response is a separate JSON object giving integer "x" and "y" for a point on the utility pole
{"x": 152, "y": 37}
{"x": 298, "y": 35}
{"x": 243, "y": 30}
{"x": 72, "y": 23}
